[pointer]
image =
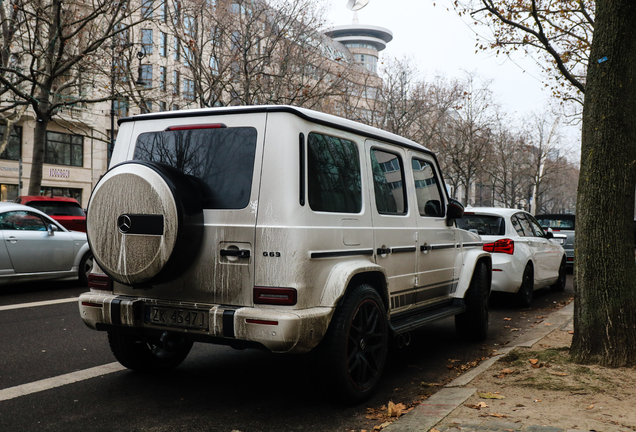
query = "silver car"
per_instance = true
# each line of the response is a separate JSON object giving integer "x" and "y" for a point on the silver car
{"x": 35, "y": 247}
{"x": 561, "y": 224}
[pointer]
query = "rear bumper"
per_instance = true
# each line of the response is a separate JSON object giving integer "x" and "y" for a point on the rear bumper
{"x": 506, "y": 274}
{"x": 278, "y": 330}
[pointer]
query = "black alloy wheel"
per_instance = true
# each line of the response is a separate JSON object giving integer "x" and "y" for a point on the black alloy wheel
{"x": 351, "y": 357}
{"x": 526, "y": 292}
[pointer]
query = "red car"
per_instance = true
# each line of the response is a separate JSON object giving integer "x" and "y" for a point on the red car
{"x": 67, "y": 211}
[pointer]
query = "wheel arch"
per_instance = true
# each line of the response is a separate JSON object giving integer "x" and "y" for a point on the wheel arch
{"x": 347, "y": 275}
{"x": 471, "y": 259}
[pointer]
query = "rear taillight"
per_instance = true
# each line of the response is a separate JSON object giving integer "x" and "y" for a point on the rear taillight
{"x": 501, "y": 246}
{"x": 275, "y": 296}
{"x": 100, "y": 281}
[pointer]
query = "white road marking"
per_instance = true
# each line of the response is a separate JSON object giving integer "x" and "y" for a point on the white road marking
{"x": 40, "y": 303}
{"x": 49, "y": 383}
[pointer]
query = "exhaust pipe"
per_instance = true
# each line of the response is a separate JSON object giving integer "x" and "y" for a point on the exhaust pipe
{"x": 404, "y": 339}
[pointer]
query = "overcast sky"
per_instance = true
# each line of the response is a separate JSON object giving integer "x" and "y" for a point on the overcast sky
{"x": 441, "y": 43}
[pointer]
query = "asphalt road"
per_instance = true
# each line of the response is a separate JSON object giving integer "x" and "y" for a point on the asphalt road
{"x": 216, "y": 388}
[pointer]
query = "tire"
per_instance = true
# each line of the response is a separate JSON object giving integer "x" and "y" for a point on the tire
{"x": 472, "y": 324}
{"x": 559, "y": 286}
{"x": 351, "y": 357}
{"x": 85, "y": 267}
{"x": 149, "y": 354}
{"x": 526, "y": 291}
{"x": 145, "y": 222}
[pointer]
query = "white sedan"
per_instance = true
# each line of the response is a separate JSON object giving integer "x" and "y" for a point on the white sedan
{"x": 35, "y": 247}
{"x": 524, "y": 257}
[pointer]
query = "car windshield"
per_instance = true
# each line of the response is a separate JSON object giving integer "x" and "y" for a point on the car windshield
{"x": 223, "y": 158}
{"x": 58, "y": 208}
{"x": 556, "y": 223}
{"x": 483, "y": 224}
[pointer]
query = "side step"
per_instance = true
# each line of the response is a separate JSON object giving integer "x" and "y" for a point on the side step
{"x": 411, "y": 322}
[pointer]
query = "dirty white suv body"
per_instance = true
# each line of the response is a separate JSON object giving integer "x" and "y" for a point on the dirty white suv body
{"x": 277, "y": 227}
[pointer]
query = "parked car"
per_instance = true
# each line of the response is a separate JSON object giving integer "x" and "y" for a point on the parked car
{"x": 561, "y": 224}
{"x": 524, "y": 257}
{"x": 281, "y": 228}
{"x": 67, "y": 211}
{"x": 36, "y": 247}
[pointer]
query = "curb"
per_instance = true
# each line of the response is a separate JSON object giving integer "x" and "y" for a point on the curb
{"x": 433, "y": 410}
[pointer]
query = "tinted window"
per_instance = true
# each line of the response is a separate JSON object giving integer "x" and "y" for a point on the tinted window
{"x": 517, "y": 226}
{"x": 222, "y": 158}
{"x": 21, "y": 220}
{"x": 388, "y": 182}
{"x": 483, "y": 224}
{"x": 58, "y": 208}
{"x": 525, "y": 224}
{"x": 538, "y": 231}
{"x": 429, "y": 200}
{"x": 567, "y": 224}
{"x": 333, "y": 168}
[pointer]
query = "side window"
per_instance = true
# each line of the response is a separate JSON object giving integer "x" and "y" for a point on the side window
{"x": 429, "y": 198}
{"x": 333, "y": 174}
{"x": 525, "y": 225}
{"x": 538, "y": 231}
{"x": 388, "y": 182}
{"x": 517, "y": 226}
{"x": 21, "y": 220}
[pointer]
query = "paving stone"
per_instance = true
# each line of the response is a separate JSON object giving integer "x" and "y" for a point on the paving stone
{"x": 538, "y": 428}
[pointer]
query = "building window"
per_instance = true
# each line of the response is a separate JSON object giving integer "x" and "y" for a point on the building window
{"x": 163, "y": 15}
{"x": 175, "y": 82}
{"x": 163, "y": 77}
{"x": 64, "y": 149}
{"x": 162, "y": 106}
{"x": 8, "y": 192}
{"x": 188, "y": 89}
{"x": 13, "y": 150}
{"x": 214, "y": 65}
{"x": 177, "y": 49}
{"x": 146, "y": 106}
{"x": 163, "y": 44}
{"x": 175, "y": 107}
{"x": 120, "y": 107}
{"x": 147, "y": 7}
{"x": 146, "y": 40}
{"x": 146, "y": 75}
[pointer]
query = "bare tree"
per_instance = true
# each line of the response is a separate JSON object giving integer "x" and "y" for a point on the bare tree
{"x": 49, "y": 49}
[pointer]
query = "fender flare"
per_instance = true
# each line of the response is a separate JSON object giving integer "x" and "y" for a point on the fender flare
{"x": 341, "y": 275}
{"x": 471, "y": 257}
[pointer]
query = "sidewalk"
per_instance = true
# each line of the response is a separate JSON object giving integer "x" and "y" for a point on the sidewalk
{"x": 458, "y": 406}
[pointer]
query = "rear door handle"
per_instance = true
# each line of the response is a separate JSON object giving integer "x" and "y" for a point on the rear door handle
{"x": 240, "y": 253}
{"x": 383, "y": 251}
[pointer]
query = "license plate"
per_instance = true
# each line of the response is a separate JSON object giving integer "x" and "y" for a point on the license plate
{"x": 176, "y": 317}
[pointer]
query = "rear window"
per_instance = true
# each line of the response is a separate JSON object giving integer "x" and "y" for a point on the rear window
{"x": 483, "y": 224}
{"x": 58, "y": 208}
{"x": 223, "y": 158}
{"x": 556, "y": 223}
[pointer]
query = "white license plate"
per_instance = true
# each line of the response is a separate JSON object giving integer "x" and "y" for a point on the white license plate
{"x": 177, "y": 317}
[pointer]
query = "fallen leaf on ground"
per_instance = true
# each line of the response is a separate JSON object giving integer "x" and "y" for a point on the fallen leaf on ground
{"x": 571, "y": 332}
{"x": 559, "y": 373}
{"x": 541, "y": 317}
{"x": 590, "y": 407}
{"x": 534, "y": 361}
{"x": 537, "y": 400}
{"x": 514, "y": 329}
{"x": 478, "y": 406}
{"x": 548, "y": 324}
{"x": 490, "y": 395}
{"x": 425, "y": 384}
{"x": 493, "y": 415}
{"x": 507, "y": 319}
{"x": 394, "y": 410}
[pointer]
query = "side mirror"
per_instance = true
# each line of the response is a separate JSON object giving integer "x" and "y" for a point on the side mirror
{"x": 51, "y": 229}
{"x": 549, "y": 234}
{"x": 454, "y": 210}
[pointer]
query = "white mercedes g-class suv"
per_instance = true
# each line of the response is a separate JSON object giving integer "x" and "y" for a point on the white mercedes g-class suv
{"x": 281, "y": 228}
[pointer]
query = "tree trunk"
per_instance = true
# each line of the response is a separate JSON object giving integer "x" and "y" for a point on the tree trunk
{"x": 39, "y": 140}
{"x": 605, "y": 299}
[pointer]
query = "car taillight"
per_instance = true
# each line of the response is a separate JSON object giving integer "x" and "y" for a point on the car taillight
{"x": 100, "y": 281}
{"x": 275, "y": 296}
{"x": 501, "y": 246}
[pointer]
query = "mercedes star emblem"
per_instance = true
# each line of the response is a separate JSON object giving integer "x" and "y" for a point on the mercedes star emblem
{"x": 124, "y": 223}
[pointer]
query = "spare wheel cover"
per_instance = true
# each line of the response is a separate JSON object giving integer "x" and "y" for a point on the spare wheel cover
{"x": 126, "y": 193}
